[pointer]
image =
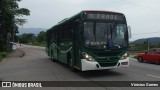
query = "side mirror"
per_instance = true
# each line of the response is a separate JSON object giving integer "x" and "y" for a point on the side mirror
{"x": 129, "y": 32}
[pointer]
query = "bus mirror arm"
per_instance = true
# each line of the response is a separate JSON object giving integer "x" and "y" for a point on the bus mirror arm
{"x": 129, "y": 32}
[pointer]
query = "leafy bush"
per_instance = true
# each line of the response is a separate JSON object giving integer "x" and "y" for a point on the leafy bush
{"x": 2, "y": 55}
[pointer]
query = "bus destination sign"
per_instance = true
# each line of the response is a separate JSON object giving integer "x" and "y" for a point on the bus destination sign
{"x": 105, "y": 16}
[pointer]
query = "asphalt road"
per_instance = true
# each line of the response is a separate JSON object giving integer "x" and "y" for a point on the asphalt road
{"x": 37, "y": 66}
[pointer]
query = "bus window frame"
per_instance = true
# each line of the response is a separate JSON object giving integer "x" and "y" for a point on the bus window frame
{"x": 104, "y": 21}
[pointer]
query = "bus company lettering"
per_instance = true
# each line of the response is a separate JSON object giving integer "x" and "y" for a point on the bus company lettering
{"x": 104, "y": 16}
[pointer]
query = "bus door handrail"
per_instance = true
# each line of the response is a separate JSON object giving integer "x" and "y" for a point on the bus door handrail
{"x": 60, "y": 49}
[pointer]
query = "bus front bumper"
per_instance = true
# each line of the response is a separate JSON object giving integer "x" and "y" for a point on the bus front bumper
{"x": 93, "y": 65}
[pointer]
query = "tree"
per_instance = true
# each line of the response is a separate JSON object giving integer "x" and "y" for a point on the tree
{"x": 10, "y": 18}
{"x": 41, "y": 37}
{"x": 27, "y": 38}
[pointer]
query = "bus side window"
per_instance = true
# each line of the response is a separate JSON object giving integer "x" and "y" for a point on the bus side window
{"x": 55, "y": 36}
{"x": 65, "y": 33}
{"x": 49, "y": 34}
{"x": 60, "y": 34}
{"x": 52, "y": 35}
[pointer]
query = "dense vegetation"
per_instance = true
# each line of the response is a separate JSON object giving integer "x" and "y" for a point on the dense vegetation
{"x": 32, "y": 39}
{"x": 2, "y": 55}
{"x": 10, "y": 18}
{"x": 137, "y": 48}
{"x": 152, "y": 40}
{"x": 142, "y": 47}
{"x": 145, "y": 44}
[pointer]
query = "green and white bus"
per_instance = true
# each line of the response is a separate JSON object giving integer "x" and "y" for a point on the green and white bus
{"x": 90, "y": 40}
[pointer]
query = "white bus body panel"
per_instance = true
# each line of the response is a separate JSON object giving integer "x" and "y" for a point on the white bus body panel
{"x": 92, "y": 65}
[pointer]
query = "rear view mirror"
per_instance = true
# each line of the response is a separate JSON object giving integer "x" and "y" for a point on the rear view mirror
{"x": 129, "y": 32}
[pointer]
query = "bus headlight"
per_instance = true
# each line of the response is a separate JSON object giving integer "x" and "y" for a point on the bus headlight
{"x": 87, "y": 57}
{"x": 124, "y": 56}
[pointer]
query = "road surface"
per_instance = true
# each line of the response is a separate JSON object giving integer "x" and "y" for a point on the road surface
{"x": 35, "y": 65}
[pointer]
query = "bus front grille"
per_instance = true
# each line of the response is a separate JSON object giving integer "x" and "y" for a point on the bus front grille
{"x": 108, "y": 64}
{"x": 107, "y": 61}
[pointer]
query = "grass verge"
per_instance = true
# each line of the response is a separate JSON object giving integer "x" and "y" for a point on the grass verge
{"x": 133, "y": 55}
{"x": 37, "y": 44}
{"x": 2, "y": 55}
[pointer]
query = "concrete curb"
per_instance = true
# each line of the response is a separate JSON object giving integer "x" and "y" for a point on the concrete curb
{"x": 3, "y": 60}
{"x": 21, "y": 54}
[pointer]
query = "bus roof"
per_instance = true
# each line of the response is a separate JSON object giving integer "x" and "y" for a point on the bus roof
{"x": 99, "y": 11}
{"x": 71, "y": 18}
{"x": 78, "y": 15}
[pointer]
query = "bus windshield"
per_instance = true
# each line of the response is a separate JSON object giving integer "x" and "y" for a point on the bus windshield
{"x": 105, "y": 35}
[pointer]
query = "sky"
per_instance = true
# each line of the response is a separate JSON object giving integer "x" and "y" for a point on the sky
{"x": 143, "y": 16}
